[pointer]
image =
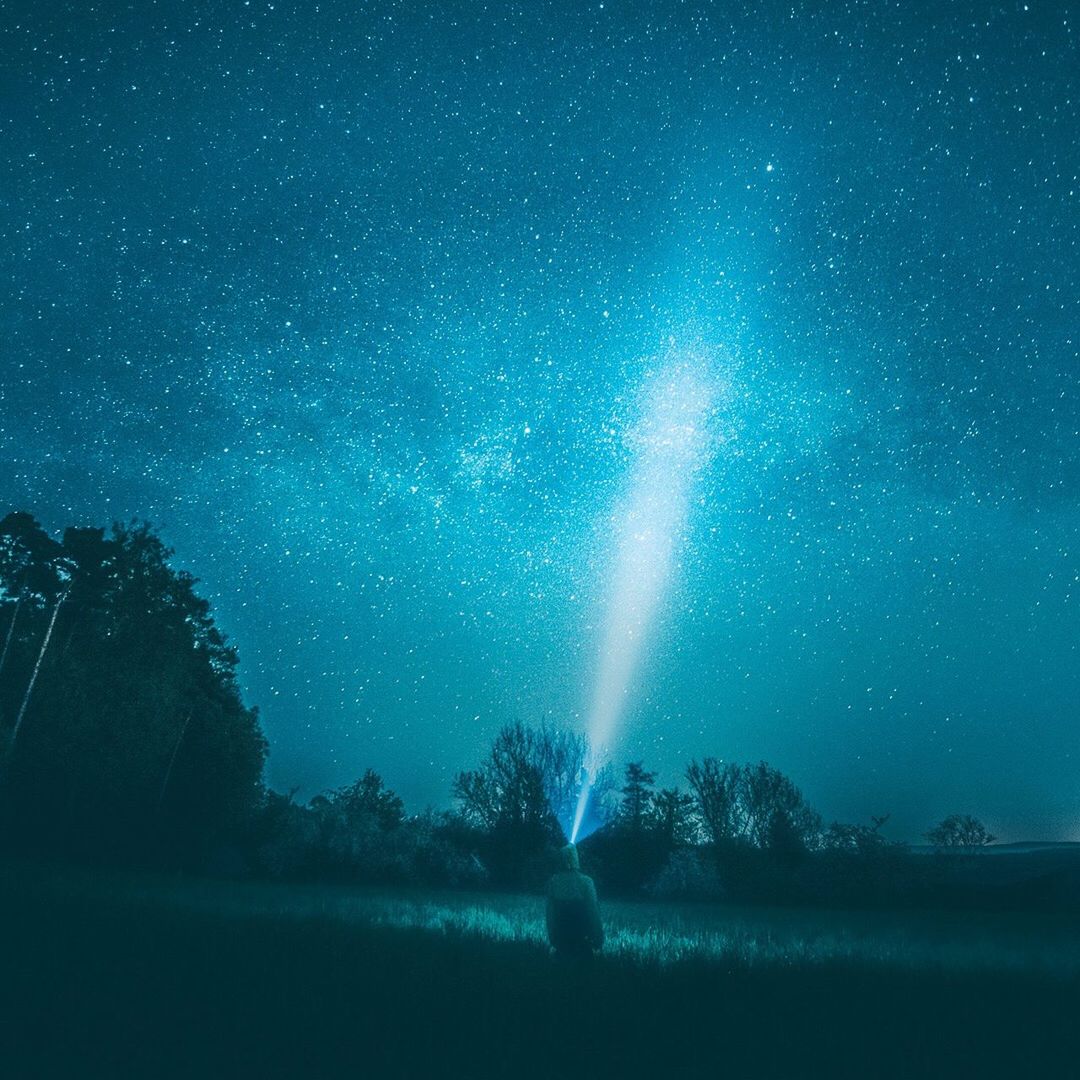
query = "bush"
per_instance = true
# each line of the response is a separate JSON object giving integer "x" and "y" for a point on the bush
{"x": 690, "y": 874}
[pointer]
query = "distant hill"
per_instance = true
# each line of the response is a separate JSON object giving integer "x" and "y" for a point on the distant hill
{"x": 1027, "y": 873}
{"x": 1019, "y": 847}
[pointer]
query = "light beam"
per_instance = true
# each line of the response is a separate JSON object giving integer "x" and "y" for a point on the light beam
{"x": 670, "y": 446}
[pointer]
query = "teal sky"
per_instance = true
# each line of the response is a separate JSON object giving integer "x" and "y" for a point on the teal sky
{"x": 355, "y": 304}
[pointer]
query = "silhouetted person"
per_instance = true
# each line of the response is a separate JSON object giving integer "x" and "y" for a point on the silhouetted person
{"x": 573, "y": 915}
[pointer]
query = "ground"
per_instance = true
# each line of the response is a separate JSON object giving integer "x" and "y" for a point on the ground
{"x": 148, "y": 976}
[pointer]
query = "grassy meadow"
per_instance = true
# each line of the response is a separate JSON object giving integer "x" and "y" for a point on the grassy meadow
{"x": 142, "y": 975}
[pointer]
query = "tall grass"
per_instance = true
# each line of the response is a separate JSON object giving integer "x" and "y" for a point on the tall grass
{"x": 648, "y": 935}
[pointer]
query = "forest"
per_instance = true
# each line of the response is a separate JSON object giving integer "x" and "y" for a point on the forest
{"x": 126, "y": 742}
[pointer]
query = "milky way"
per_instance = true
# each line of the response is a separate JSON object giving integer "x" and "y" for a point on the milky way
{"x": 353, "y": 302}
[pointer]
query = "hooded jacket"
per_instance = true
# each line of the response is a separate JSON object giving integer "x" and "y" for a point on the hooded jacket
{"x": 573, "y": 914}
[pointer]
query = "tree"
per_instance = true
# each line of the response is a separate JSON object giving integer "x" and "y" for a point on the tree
{"x": 136, "y": 736}
{"x": 30, "y": 586}
{"x": 637, "y": 796}
{"x": 673, "y": 817}
{"x": 522, "y": 796}
{"x": 960, "y": 832}
{"x": 508, "y": 789}
{"x": 715, "y": 789}
{"x": 775, "y": 814}
{"x": 354, "y": 826}
{"x": 530, "y": 778}
{"x": 858, "y": 839}
{"x": 369, "y": 799}
{"x": 630, "y": 850}
{"x": 27, "y": 558}
{"x": 755, "y": 805}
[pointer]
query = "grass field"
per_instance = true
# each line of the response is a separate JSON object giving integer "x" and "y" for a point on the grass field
{"x": 136, "y": 975}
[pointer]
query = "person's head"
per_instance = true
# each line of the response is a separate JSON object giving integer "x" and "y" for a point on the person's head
{"x": 568, "y": 858}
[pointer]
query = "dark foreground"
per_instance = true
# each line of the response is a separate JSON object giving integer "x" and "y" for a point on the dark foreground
{"x": 103, "y": 979}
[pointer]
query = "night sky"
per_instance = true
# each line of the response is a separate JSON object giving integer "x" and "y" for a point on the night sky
{"x": 356, "y": 301}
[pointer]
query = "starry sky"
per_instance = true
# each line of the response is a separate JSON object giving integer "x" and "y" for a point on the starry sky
{"x": 356, "y": 301}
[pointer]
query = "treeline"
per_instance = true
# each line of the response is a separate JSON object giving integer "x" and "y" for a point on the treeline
{"x": 123, "y": 737}
{"x": 737, "y": 832}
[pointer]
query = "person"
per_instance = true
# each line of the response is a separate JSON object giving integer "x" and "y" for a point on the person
{"x": 573, "y": 915}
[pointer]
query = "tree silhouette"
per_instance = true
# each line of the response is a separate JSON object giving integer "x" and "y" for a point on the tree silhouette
{"x": 960, "y": 831}
{"x": 716, "y": 793}
{"x": 135, "y": 737}
{"x": 352, "y": 825}
{"x": 522, "y": 795}
{"x": 674, "y": 817}
{"x": 637, "y": 796}
{"x": 755, "y": 805}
